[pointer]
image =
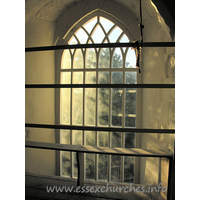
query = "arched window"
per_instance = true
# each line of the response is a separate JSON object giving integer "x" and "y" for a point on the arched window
{"x": 109, "y": 107}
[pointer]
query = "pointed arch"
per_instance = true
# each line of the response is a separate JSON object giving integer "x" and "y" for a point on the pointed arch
{"x": 98, "y": 107}
{"x": 98, "y": 12}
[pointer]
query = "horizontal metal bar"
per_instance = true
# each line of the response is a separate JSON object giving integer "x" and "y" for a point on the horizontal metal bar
{"x": 109, "y": 129}
{"x": 100, "y": 86}
{"x": 104, "y": 45}
{"x": 98, "y": 149}
{"x": 158, "y": 44}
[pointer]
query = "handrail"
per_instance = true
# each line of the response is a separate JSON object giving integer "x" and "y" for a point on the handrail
{"x": 81, "y": 149}
{"x": 98, "y": 149}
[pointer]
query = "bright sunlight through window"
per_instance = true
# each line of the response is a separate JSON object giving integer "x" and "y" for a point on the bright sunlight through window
{"x": 109, "y": 107}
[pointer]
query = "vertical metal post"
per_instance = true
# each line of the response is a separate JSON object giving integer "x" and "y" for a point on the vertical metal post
{"x": 109, "y": 158}
{"x": 123, "y": 125}
{"x": 96, "y": 118}
{"x": 122, "y": 157}
{"x": 80, "y": 163}
{"x": 110, "y": 119}
{"x": 83, "y": 121}
{"x": 71, "y": 122}
{"x": 171, "y": 180}
{"x": 96, "y": 158}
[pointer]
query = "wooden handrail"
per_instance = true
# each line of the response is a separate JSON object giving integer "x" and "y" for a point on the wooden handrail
{"x": 99, "y": 150}
{"x": 81, "y": 149}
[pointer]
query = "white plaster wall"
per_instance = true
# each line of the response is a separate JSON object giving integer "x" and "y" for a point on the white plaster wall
{"x": 158, "y": 105}
{"x": 39, "y": 103}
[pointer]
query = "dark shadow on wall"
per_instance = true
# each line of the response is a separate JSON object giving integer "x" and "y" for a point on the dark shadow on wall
{"x": 167, "y": 10}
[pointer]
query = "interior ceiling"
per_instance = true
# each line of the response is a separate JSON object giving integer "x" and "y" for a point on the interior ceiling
{"x": 50, "y": 10}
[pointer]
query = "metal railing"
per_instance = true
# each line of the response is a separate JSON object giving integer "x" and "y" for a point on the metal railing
{"x": 104, "y": 45}
{"x": 111, "y": 129}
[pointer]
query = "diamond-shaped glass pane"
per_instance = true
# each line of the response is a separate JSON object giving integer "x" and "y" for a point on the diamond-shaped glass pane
{"x": 82, "y": 36}
{"x": 90, "y": 24}
{"x": 107, "y": 24}
{"x": 114, "y": 35}
{"x": 98, "y": 35}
